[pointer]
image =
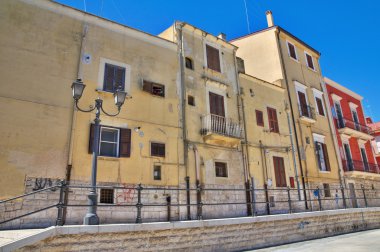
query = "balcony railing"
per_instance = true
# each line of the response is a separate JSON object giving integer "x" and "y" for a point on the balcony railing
{"x": 344, "y": 122}
{"x": 358, "y": 165}
{"x": 307, "y": 111}
{"x": 221, "y": 125}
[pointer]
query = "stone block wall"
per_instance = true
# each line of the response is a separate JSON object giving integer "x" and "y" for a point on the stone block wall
{"x": 208, "y": 235}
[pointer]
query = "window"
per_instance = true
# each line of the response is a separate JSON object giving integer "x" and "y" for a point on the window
{"x": 304, "y": 106}
{"x": 347, "y": 152}
{"x": 326, "y": 190}
{"x": 106, "y": 196}
{"x": 221, "y": 169}
{"x": 109, "y": 142}
{"x": 291, "y": 181}
{"x": 190, "y": 100}
{"x": 189, "y": 63}
{"x": 157, "y": 149}
{"x": 273, "y": 123}
{"x": 309, "y": 61}
{"x": 365, "y": 159}
{"x": 320, "y": 108}
{"x": 292, "y": 51}
{"x": 216, "y": 104}
{"x": 213, "y": 60}
{"x": 113, "y": 142}
{"x": 322, "y": 156}
{"x": 259, "y": 118}
{"x": 114, "y": 77}
{"x": 157, "y": 172}
{"x": 355, "y": 119}
{"x": 279, "y": 171}
{"x": 377, "y": 139}
{"x": 154, "y": 88}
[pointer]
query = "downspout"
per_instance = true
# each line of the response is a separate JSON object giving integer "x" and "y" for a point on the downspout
{"x": 244, "y": 150}
{"x": 287, "y": 110}
{"x": 73, "y": 123}
{"x": 197, "y": 168}
{"x": 292, "y": 113}
{"x": 333, "y": 133}
{"x": 179, "y": 26}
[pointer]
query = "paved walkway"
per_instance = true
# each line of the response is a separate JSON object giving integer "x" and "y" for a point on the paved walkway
{"x": 354, "y": 242}
{"x": 12, "y": 235}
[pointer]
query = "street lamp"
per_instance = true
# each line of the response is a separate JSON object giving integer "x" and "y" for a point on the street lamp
{"x": 77, "y": 87}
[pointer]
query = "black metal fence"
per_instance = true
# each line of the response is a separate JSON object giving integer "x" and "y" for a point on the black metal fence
{"x": 205, "y": 203}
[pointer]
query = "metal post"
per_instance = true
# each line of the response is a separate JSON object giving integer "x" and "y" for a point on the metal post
{"x": 62, "y": 188}
{"x": 139, "y": 205}
{"x": 267, "y": 199}
{"x": 168, "y": 203}
{"x": 289, "y": 200}
{"x": 319, "y": 199}
{"x": 199, "y": 201}
{"x": 187, "y": 179}
{"x": 365, "y": 198}
{"x": 253, "y": 198}
{"x": 91, "y": 217}
{"x": 343, "y": 196}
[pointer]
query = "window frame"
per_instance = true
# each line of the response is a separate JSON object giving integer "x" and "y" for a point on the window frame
{"x": 188, "y": 59}
{"x": 217, "y": 47}
{"x": 273, "y": 129}
{"x": 295, "y": 51}
{"x": 312, "y": 61}
{"x": 282, "y": 181}
{"x": 160, "y": 172}
{"x": 226, "y": 168}
{"x": 147, "y": 86}
{"x": 320, "y": 139}
{"x": 157, "y": 155}
{"x": 101, "y": 74}
{"x": 299, "y": 87}
{"x": 261, "y": 113}
{"x": 318, "y": 94}
{"x": 117, "y": 142}
{"x": 100, "y": 196}
{"x": 326, "y": 190}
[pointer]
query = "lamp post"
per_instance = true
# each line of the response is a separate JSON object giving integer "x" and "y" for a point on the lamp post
{"x": 77, "y": 87}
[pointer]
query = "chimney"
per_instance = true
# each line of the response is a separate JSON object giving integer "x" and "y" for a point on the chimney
{"x": 222, "y": 36}
{"x": 269, "y": 18}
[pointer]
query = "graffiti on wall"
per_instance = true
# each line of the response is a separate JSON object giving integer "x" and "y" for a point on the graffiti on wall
{"x": 41, "y": 183}
{"x": 125, "y": 195}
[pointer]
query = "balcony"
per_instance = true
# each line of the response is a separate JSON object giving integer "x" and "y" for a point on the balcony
{"x": 220, "y": 130}
{"x": 307, "y": 113}
{"x": 353, "y": 129}
{"x": 360, "y": 169}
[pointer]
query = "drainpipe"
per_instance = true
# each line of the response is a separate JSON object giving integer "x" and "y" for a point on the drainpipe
{"x": 73, "y": 122}
{"x": 292, "y": 113}
{"x": 287, "y": 110}
{"x": 333, "y": 133}
{"x": 179, "y": 26}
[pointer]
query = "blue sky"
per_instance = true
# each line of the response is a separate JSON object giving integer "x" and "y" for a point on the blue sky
{"x": 346, "y": 32}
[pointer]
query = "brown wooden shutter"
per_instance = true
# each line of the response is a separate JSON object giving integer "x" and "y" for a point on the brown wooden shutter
{"x": 272, "y": 117}
{"x": 109, "y": 75}
{"x": 320, "y": 106}
{"x": 213, "y": 61}
{"x": 91, "y": 138}
{"x": 303, "y": 104}
{"x": 216, "y": 104}
{"x": 292, "y": 51}
{"x": 317, "y": 149}
{"x": 125, "y": 143}
{"x": 259, "y": 118}
{"x": 147, "y": 86}
{"x": 309, "y": 61}
{"x": 279, "y": 170}
{"x": 326, "y": 155}
{"x": 119, "y": 78}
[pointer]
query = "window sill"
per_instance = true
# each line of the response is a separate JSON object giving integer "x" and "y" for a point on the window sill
{"x": 103, "y": 91}
{"x": 311, "y": 69}
{"x": 296, "y": 60}
{"x": 324, "y": 171}
{"x": 108, "y": 158}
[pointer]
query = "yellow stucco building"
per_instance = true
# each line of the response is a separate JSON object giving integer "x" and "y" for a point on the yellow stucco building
{"x": 277, "y": 56}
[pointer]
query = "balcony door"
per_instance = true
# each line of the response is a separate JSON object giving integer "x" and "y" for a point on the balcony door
{"x": 303, "y": 104}
{"x": 364, "y": 158}
{"x": 339, "y": 115}
{"x": 217, "y": 113}
{"x": 347, "y": 152}
{"x": 356, "y": 119}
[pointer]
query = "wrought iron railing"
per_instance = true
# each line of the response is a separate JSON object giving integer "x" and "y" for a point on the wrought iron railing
{"x": 221, "y": 125}
{"x": 343, "y": 122}
{"x": 359, "y": 165}
{"x": 307, "y": 111}
{"x": 201, "y": 201}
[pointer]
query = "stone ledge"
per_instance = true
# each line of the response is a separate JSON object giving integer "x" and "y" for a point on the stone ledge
{"x": 121, "y": 228}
